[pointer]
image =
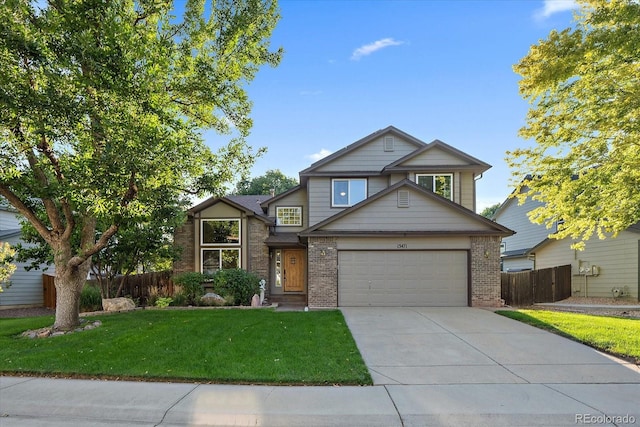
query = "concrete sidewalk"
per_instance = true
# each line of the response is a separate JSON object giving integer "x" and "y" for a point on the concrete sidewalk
{"x": 431, "y": 367}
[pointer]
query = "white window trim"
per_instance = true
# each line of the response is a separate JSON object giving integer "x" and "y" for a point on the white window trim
{"x": 220, "y": 248}
{"x": 298, "y": 208}
{"x": 208, "y": 245}
{"x": 418, "y": 175}
{"x": 349, "y": 203}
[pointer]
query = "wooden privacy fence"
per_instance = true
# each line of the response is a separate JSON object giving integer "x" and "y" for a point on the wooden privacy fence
{"x": 529, "y": 287}
{"x": 137, "y": 286}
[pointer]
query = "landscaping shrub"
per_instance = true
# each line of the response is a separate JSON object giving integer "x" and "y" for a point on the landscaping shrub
{"x": 236, "y": 285}
{"x": 90, "y": 299}
{"x": 191, "y": 287}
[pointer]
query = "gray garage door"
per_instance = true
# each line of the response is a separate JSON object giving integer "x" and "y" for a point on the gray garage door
{"x": 402, "y": 278}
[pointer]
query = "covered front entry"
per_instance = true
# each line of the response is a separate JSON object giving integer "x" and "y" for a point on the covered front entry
{"x": 403, "y": 278}
{"x": 294, "y": 270}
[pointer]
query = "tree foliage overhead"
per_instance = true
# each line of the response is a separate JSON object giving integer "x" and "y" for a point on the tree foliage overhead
{"x": 583, "y": 85}
{"x": 272, "y": 180}
{"x": 102, "y": 107}
{"x": 490, "y": 211}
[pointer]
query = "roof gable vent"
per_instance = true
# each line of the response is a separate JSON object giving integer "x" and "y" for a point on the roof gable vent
{"x": 389, "y": 143}
{"x": 403, "y": 199}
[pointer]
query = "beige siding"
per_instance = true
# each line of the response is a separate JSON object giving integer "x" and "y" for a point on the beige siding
{"x": 424, "y": 214}
{"x": 434, "y": 156}
{"x": 297, "y": 198}
{"x": 320, "y": 200}
{"x": 467, "y": 196}
{"x": 407, "y": 243}
{"x": 617, "y": 261}
{"x": 514, "y": 216}
{"x": 368, "y": 157}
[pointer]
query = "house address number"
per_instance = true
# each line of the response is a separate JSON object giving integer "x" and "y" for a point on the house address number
{"x": 402, "y": 246}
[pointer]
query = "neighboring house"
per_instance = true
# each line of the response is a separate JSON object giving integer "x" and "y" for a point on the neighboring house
{"x": 386, "y": 221}
{"x": 26, "y": 286}
{"x": 606, "y": 268}
{"x": 515, "y": 249}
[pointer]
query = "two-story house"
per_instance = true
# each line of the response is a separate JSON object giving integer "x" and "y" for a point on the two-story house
{"x": 386, "y": 221}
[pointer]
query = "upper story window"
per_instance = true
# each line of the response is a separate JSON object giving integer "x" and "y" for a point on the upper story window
{"x": 289, "y": 216}
{"x": 220, "y": 232}
{"x": 348, "y": 192}
{"x": 441, "y": 184}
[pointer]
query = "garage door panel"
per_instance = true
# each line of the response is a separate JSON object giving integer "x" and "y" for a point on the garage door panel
{"x": 402, "y": 278}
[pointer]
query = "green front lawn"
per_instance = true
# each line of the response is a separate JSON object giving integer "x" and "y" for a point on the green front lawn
{"x": 221, "y": 346}
{"x": 609, "y": 334}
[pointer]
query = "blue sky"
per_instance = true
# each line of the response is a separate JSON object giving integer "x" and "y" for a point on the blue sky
{"x": 434, "y": 69}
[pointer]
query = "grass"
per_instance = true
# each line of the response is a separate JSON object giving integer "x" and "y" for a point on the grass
{"x": 613, "y": 335}
{"x": 221, "y": 346}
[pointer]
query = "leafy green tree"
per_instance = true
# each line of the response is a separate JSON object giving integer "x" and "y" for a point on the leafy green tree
{"x": 102, "y": 109}
{"x": 583, "y": 85}
{"x": 6, "y": 267}
{"x": 490, "y": 211}
{"x": 272, "y": 180}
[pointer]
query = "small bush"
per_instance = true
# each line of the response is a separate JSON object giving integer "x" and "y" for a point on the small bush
{"x": 236, "y": 285}
{"x": 90, "y": 299}
{"x": 163, "y": 302}
{"x": 191, "y": 285}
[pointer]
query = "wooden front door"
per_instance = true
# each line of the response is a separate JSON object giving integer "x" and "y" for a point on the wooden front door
{"x": 294, "y": 262}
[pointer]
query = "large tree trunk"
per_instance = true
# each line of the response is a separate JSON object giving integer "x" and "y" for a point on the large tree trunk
{"x": 69, "y": 282}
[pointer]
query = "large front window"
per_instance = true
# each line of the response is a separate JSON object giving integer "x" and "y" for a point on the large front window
{"x": 441, "y": 184}
{"x": 220, "y": 241}
{"x": 348, "y": 192}
{"x": 217, "y": 259}
{"x": 220, "y": 232}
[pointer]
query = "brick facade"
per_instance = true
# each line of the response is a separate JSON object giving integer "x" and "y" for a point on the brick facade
{"x": 322, "y": 264}
{"x": 257, "y": 251}
{"x": 184, "y": 237}
{"x": 485, "y": 271}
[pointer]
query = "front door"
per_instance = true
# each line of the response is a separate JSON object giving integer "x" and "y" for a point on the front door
{"x": 294, "y": 264}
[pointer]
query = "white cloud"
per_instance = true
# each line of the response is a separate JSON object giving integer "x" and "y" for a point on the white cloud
{"x": 368, "y": 49}
{"x": 555, "y": 6}
{"x": 319, "y": 155}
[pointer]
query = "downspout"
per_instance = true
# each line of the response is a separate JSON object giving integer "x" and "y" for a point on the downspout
{"x": 475, "y": 179}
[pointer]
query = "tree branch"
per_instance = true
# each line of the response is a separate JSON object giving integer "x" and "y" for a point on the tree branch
{"x": 27, "y": 212}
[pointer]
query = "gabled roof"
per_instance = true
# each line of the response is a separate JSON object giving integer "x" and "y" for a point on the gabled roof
{"x": 471, "y": 162}
{"x": 349, "y": 148}
{"x": 493, "y": 228}
{"x": 251, "y": 205}
{"x": 267, "y": 202}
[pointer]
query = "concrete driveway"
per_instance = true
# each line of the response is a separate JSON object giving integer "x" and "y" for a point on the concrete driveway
{"x": 450, "y": 366}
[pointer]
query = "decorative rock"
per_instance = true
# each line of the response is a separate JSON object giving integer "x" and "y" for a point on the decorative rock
{"x": 255, "y": 301}
{"x": 211, "y": 298}
{"x": 118, "y": 304}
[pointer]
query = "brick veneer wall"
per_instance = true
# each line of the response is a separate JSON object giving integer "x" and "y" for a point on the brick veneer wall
{"x": 485, "y": 271}
{"x": 257, "y": 251}
{"x": 322, "y": 272}
{"x": 184, "y": 237}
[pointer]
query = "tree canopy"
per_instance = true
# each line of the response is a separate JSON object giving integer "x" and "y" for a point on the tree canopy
{"x": 7, "y": 268}
{"x": 490, "y": 211}
{"x": 272, "y": 180}
{"x": 103, "y": 105}
{"x": 583, "y": 86}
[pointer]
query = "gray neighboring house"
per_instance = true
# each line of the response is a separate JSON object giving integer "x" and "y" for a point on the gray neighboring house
{"x": 386, "y": 221}
{"x": 26, "y": 286}
{"x": 606, "y": 268}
